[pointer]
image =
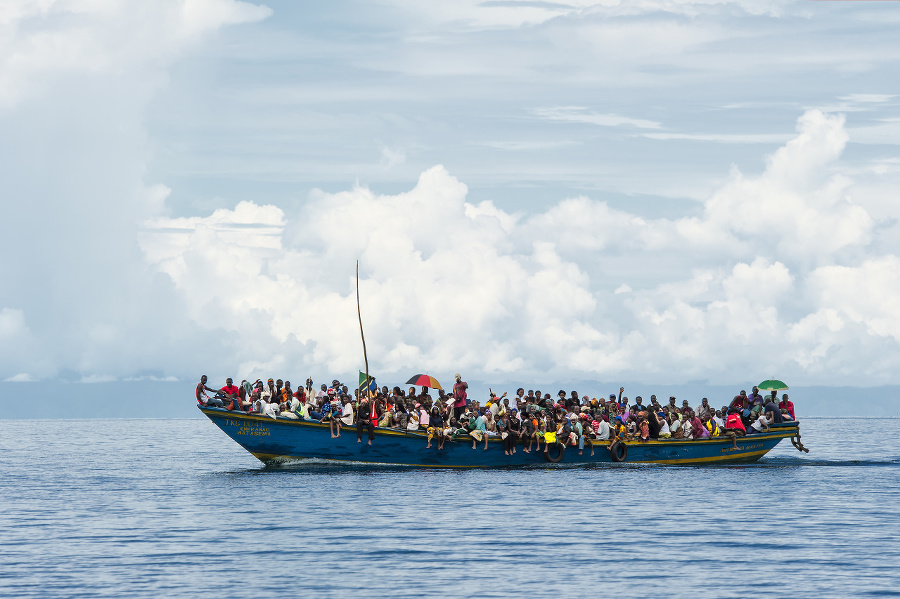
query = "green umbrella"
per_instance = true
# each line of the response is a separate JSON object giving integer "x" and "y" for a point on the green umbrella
{"x": 772, "y": 385}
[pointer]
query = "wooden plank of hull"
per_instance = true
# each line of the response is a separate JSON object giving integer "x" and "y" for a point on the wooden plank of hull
{"x": 281, "y": 440}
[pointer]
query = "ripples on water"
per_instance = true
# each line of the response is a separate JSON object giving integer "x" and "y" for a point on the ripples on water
{"x": 173, "y": 508}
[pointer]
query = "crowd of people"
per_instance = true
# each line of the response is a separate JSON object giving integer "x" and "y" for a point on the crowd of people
{"x": 526, "y": 422}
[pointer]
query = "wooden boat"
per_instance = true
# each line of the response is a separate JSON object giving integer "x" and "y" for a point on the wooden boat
{"x": 280, "y": 440}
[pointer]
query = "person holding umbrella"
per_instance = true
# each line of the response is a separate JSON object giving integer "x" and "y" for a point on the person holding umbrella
{"x": 774, "y": 385}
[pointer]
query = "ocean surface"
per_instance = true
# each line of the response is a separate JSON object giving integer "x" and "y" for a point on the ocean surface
{"x": 173, "y": 508}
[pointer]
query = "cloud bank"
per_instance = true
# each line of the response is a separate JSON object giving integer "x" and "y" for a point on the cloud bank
{"x": 775, "y": 278}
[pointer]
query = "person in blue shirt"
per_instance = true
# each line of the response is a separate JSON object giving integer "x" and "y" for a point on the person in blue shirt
{"x": 479, "y": 430}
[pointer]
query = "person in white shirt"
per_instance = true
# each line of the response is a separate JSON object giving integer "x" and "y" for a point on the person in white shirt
{"x": 602, "y": 430}
{"x": 664, "y": 431}
{"x": 347, "y": 412}
{"x": 760, "y": 425}
{"x": 718, "y": 419}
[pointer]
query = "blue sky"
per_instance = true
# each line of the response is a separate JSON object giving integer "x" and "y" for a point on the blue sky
{"x": 655, "y": 190}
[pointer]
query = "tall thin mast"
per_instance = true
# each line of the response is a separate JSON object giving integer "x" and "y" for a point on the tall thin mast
{"x": 362, "y": 336}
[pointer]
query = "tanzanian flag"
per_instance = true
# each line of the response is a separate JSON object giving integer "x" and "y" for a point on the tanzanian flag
{"x": 362, "y": 382}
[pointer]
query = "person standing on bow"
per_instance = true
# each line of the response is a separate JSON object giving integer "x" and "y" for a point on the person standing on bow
{"x": 459, "y": 396}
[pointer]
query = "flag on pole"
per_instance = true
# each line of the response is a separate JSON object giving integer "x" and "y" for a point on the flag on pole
{"x": 362, "y": 382}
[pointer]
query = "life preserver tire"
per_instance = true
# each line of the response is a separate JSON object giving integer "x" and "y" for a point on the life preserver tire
{"x": 559, "y": 448}
{"x": 618, "y": 451}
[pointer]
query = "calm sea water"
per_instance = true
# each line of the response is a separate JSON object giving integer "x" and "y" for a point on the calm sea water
{"x": 173, "y": 508}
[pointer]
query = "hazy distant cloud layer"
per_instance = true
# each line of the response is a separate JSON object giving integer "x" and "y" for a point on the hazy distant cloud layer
{"x": 652, "y": 189}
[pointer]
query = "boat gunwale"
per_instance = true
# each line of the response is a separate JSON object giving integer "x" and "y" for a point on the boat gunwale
{"x": 785, "y": 430}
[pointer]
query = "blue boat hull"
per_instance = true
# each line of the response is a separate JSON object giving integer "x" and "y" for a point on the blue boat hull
{"x": 283, "y": 440}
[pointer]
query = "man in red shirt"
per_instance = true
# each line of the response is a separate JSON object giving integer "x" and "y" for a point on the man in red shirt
{"x": 231, "y": 393}
{"x": 734, "y": 427}
{"x": 740, "y": 402}
{"x": 459, "y": 396}
{"x": 786, "y": 404}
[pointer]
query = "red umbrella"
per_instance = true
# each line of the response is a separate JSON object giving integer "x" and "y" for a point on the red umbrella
{"x": 424, "y": 380}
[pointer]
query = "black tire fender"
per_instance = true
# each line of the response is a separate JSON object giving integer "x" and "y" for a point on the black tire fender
{"x": 559, "y": 456}
{"x": 618, "y": 451}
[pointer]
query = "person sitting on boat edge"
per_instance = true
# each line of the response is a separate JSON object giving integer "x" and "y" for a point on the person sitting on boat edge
{"x": 477, "y": 429}
{"x": 664, "y": 431}
{"x": 490, "y": 425}
{"x": 529, "y": 432}
{"x": 550, "y": 429}
{"x": 759, "y": 425}
{"x": 327, "y": 406}
{"x": 712, "y": 426}
{"x": 620, "y": 433}
{"x": 334, "y": 416}
{"x": 734, "y": 426}
{"x": 231, "y": 395}
{"x": 786, "y": 406}
{"x": 643, "y": 427}
{"x": 653, "y": 425}
{"x": 364, "y": 419}
{"x": 203, "y": 399}
{"x": 771, "y": 408}
{"x": 585, "y": 432}
{"x": 515, "y": 428}
{"x": 436, "y": 428}
{"x": 503, "y": 430}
